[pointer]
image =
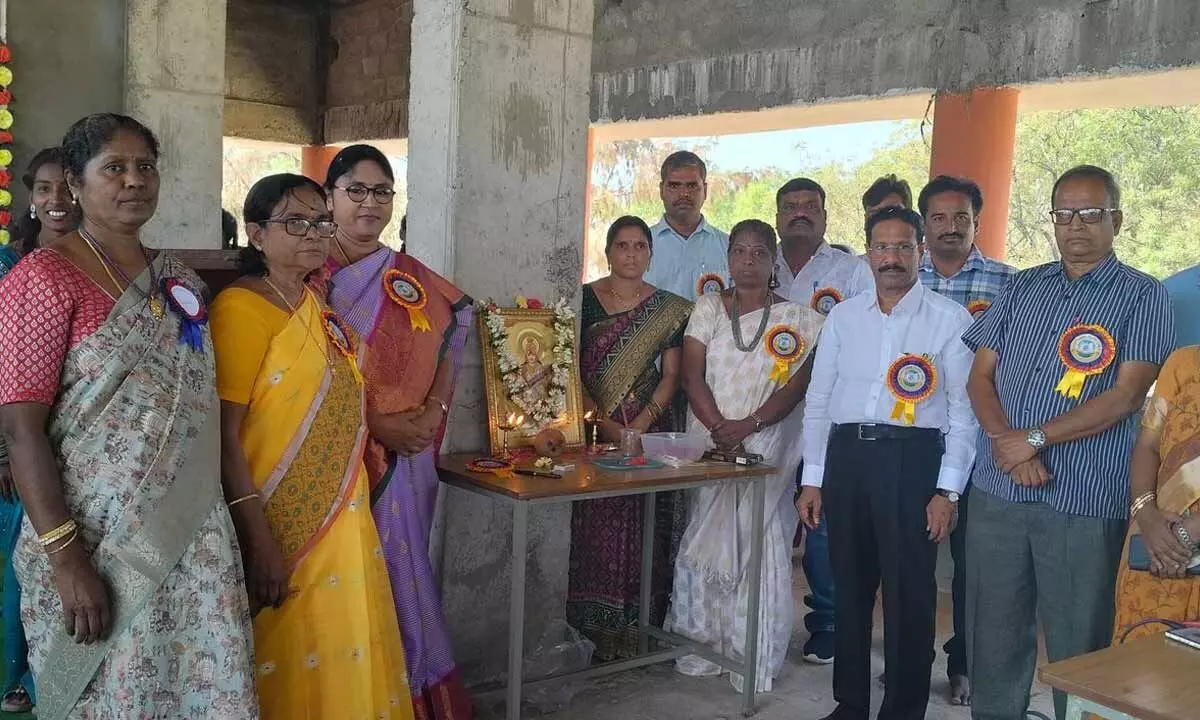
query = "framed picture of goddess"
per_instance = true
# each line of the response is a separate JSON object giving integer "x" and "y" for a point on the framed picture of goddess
{"x": 530, "y": 375}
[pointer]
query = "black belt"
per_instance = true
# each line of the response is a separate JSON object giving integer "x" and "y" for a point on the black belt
{"x": 879, "y": 431}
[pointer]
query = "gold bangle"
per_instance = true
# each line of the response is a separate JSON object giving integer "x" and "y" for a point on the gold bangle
{"x": 57, "y": 533}
{"x": 243, "y": 499}
{"x": 1141, "y": 502}
{"x": 74, "y": 536}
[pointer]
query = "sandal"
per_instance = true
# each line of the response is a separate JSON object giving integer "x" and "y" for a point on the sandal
{"x": 16, "y": 701}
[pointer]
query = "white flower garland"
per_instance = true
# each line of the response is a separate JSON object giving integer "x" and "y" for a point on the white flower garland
{"x": 540, "y": 412}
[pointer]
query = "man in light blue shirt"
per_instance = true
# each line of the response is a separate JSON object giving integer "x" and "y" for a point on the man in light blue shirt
{"x": 1184, "y": 289}
{"x": 691, "y": 257}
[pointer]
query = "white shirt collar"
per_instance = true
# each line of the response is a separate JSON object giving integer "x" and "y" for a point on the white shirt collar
{"x": 910, "y": 304}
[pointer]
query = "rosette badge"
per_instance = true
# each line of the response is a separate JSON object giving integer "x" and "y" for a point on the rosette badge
{"x": 709, "y": 283}
{"x": 343, "y": 339}
{"x": 825, "y": 299}
{"x": 911, "y": 379}
{"x": 407, "y": 292}
{"x": 191, "y": 311}
{"x": 978, "y": 307}
{"x": 786, "y": 346}
{"x": 1085, "y": 350}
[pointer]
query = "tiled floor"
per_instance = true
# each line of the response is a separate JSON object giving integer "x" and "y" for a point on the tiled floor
{"x": 803, "y": 692}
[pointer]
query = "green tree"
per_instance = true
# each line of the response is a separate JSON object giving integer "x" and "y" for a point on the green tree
{"x": 1154, "y": 152}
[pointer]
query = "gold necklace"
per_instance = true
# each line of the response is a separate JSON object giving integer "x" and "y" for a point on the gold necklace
{"x": 282, "y": 297}
{"x": 293, "y": 308}
{"x": 156, "y": 304}
{"x": 613, "y": 291}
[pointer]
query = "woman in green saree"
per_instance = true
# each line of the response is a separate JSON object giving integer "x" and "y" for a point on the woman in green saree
{"x": 629, "y": 364}
{"x": 133, "y": 598}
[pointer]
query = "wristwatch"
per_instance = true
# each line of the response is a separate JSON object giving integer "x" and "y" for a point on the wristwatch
{"x": 1036, "y": 439}
{"x": 950, "y": 495}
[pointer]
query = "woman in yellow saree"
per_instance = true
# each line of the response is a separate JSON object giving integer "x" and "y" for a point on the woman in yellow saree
{"x": 327, "y": 642}
{"x": 1165, "y": 505}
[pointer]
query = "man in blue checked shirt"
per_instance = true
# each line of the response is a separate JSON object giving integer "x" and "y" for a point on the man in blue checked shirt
{"x": 1064, "y": 359}
{"x": 955, "y": 268}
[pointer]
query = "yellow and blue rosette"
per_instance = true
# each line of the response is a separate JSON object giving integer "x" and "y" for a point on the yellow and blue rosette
{"x": 786, "y": 346}
{"x": 978, "y": 307}
{"x": 709, "y": 283}
{"x": 911, "y": 379}
{"x": 1085, "y": 350}
{"x": 343, "y": 339}
{"x": 407, "y": 292}
{"x": 824, "y": 299}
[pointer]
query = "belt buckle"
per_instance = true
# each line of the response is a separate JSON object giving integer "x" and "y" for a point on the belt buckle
{"x": 860, "y": 432}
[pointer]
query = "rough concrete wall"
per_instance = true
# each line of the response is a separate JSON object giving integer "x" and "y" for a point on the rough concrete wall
{"x": 367, "y": 86}
{"x": 54, "y": 89}
{"x": 497, "y": 175}
{"x": 175, "y": 82}
{"x": 658, "y": 58}
{"x": 272, "y": 82}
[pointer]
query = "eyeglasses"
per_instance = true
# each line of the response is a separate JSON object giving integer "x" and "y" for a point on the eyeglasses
{"x": 358, "y": 193}
{"x": 299, "y": 227}
{"x": 884, "y": 249}
{"x": 1090, "y": 216}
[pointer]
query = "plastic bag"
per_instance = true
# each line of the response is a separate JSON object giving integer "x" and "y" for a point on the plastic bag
{"x": 560, "y": 650}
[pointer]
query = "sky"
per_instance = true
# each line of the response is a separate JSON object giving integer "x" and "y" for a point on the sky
{"x": 851, "y": 143}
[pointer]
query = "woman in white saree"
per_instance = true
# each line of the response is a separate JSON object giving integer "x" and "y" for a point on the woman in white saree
{"x": 746, "y": 365}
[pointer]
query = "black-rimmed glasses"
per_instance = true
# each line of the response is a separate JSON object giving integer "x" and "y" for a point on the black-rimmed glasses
{"x": 358, "y": 193}
{"x": 1089, "y": 216}
{"x": 299, "y": 227}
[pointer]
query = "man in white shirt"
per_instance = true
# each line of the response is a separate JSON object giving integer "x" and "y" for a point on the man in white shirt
{"x": 889, "y": 439}
{"x": 691, "y": 257}
{"x": 811, "y": 272}
{"x": 808, "y": 269}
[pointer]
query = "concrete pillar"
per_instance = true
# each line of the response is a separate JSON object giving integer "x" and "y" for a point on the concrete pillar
{"x": 973, "y": 137}
{"x": 497, "y": 181}
{"x": 175, "y": 84}
{"x": 80, "y": 72}
{"x": 315, "y": 160}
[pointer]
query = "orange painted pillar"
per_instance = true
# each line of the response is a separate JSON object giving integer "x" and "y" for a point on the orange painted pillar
{"x": 315, "y": 159}
{"x": 974, "y": 136}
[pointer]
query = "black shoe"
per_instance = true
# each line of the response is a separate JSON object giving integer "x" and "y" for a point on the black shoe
{"x": 843, "y": 712}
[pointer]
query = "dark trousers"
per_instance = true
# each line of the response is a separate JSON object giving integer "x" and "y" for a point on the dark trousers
{"x": 875, "y": 494}
{"x": 956, "y": 647}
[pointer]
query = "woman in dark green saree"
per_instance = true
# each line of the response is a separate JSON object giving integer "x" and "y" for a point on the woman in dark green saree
{"x": 629, "y": 362}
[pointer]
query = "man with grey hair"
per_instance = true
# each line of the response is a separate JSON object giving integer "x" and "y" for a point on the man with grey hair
{"x": 1064, "y": 358}
{"x": 691, "y": 257}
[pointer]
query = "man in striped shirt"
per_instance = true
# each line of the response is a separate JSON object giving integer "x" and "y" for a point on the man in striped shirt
{"x": 955, "y": 268}
{"x": 1064, "y": 359}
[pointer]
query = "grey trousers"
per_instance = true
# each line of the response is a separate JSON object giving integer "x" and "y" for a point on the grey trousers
{"x": 1025, "y": 562}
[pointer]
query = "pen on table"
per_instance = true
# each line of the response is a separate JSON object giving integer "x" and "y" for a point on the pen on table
{"x": 539, "y": 473}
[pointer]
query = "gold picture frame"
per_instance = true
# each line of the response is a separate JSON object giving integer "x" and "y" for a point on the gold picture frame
{"x": 534, "y": 329}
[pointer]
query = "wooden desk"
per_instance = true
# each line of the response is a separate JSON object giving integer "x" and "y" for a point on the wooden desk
{"x": 1150, "y": 678}
{"x": 587, "y": 482}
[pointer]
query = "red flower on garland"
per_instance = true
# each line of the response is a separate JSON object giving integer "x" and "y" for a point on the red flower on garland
{"x": 5, "y": 218}
{"x": 5, "y": 180}
{"x": 6, "y": 138}
{"x": 535, "y": 304}
{"x": 5, "y": 54}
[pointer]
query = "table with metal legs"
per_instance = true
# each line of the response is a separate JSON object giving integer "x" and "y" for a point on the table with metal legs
{"x": 588, "y": 482}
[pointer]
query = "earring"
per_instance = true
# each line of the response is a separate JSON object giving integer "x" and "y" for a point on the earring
{"x": 32, "y": 212}
{"x": 74, "y": 200}
{"x": 773, "y": 283}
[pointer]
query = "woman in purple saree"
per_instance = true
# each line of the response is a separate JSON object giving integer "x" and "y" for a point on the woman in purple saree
{"x": 413, "y": 324}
